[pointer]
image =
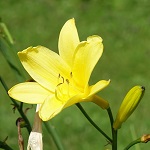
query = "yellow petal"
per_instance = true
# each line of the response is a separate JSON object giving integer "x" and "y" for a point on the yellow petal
{"x": 50, "y": 108}
{"x": 44, "y": 66}
{"x": 76, "y": 99}
{"x": 68, "y": 41}
{"x": 86, "y": 56}
{"x": 98, "y": 87}
{"x": 85, "y": 97}
{"x": 29, "y": 92}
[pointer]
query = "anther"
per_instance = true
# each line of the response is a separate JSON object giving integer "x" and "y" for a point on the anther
{"x": 59, "y": 76}
{"x": 71, "y": 74}
{"x": 67, "y": 81}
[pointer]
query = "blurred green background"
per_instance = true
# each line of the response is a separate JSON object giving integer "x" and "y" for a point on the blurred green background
{"x": 125, "y": 29}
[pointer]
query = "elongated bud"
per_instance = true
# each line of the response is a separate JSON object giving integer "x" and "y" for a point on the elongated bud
{"x": 128, "y": 105}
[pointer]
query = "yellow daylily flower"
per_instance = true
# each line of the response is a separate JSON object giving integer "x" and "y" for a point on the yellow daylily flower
{"x": 61, "y": 80}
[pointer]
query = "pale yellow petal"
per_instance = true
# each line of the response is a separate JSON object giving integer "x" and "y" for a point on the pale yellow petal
{"x": 98, "y": 87}
{"x": 29, "y": 92}
{"x": 68, "y": 41}
{"x": 50, "y": 108}
{"x": 44, "y": 66}
{"x": 86, "y": 56}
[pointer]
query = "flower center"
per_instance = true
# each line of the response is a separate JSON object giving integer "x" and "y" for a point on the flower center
{"x": 66, "y": 88}
{"x": 63, "y": 89}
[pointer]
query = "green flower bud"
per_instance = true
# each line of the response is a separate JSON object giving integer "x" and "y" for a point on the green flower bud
{"x": 128, "y": 105}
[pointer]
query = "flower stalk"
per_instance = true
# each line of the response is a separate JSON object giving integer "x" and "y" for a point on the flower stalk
{"x": 114, "y": 132}
{"x": 19, "y": 107}
{"x": 133, "y": 143}
{"x": 144, "y": 139}
{"x": 92, "y": 122}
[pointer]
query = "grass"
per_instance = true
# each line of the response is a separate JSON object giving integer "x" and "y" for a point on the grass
{"x": 124, "y": 27}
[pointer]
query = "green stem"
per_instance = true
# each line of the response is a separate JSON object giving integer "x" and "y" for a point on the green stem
{"x": 92, "y": 122}
{"x": 6, "y": 32}
{"x": 51, "y": 130}
{"x": 4, "y": 146}
{"x": 133, "y": 143}
{"x": 24, "y": 117}
{"x": 114, "y": 143}
{"x": 114, "y": 132}
{"x": 111, "y": 118}
{"x": 19, "y": 107}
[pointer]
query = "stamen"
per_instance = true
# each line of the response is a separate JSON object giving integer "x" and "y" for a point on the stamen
{"x": 67, "y": 81}
{"x": 62, "y": 91}
{"x": 71, "y": 74}
{"x": 62, "y": 79}
{"x": 59, "y": 76}
{"x": 56, "y": 94}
